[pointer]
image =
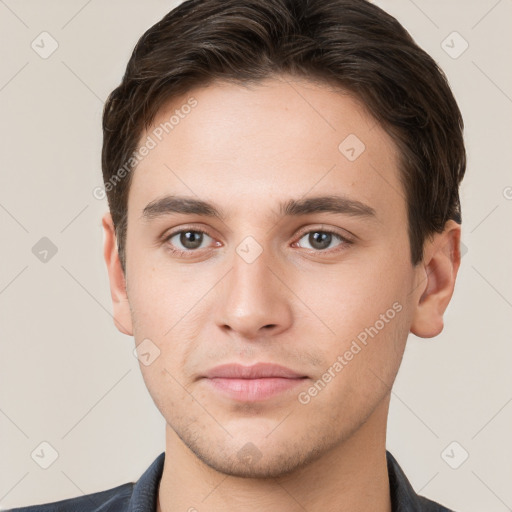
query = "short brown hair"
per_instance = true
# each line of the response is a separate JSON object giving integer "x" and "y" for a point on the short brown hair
{"x": 350, "y": 43}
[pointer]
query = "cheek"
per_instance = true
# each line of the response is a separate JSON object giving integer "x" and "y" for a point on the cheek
{"x": 360, "y": 365}
{"x": 168, "y": 312}
{"x": 368, "y": 313}
{"x": 349, "y": 297}
{"x": 168, "y": 393}
{"x": 159, "y": 297}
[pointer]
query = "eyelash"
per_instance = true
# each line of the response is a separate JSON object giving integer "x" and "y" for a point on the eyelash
{"x": 345, "y": 242}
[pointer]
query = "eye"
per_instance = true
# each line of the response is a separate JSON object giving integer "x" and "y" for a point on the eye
{"x": 321, "y": 240}
{"x": 188, "y": 241}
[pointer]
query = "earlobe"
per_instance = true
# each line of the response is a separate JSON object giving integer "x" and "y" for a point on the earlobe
{"x": 437, "y": 281}
{"x": 121, "y": 307}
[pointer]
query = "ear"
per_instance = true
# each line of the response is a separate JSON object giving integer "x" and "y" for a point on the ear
{"x": 437, "y": 274}
{"x": 122, "y": 314}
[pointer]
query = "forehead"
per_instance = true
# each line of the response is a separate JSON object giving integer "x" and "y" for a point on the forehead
{"x": 280, "y": 138}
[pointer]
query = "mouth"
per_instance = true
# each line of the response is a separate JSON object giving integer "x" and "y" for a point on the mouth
{"x": 255, "y": 383}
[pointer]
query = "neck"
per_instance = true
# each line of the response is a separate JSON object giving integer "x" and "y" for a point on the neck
{"x": 352, "y": 477}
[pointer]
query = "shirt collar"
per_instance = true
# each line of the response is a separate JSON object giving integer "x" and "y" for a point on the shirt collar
{"x": 403, "y": 496}
{"x": 145, "y": 491}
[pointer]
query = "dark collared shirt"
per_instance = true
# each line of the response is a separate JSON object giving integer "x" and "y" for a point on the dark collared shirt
{"x": 141, "y": 496}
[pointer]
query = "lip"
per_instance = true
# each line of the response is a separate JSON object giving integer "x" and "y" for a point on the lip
{"x": 255, "y": 371}
{"x": 254, "y": 383}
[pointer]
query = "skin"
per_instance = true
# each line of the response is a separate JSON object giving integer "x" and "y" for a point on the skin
{"x": 246, "y": 149}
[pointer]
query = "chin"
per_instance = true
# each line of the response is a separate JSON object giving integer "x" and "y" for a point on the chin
{"x": 261, "y": 458}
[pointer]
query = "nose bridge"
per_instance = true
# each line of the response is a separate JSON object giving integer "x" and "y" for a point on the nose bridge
{"x": 253, "y": 299}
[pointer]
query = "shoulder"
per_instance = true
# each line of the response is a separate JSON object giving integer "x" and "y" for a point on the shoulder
{"x": 140, "y": 496}
{"x": 111, "y": 500}
{"x": 432, "y": 506}
{"x": 403, "y": 496}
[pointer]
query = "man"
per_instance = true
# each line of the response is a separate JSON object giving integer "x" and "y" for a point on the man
{"x": 282, "y": 178}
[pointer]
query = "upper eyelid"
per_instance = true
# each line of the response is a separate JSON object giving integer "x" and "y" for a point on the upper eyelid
{"x": 323, "y": 229}
{"x": 172, "y": 233}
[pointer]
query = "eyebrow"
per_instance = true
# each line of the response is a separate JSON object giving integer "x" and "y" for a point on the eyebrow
{"x": 171, "y": 204}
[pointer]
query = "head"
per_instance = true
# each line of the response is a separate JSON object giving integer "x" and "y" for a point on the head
{"x": 313, "y": 153}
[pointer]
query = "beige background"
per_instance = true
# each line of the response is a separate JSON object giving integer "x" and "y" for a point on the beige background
{"x": 70, "y": 379}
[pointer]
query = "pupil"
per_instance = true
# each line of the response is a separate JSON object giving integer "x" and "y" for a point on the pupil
{"x": 325, "y": 240}
{"x": 191, "y": 239}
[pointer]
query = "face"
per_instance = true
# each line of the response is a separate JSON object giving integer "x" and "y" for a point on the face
{"x": 268, "y": 272}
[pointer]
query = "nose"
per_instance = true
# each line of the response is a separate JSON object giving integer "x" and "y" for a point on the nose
{"x": 254, "y": 300}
